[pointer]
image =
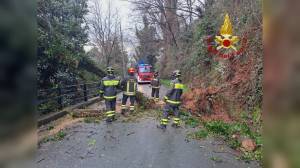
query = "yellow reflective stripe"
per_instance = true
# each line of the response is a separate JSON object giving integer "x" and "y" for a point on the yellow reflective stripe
{"x": 123, "y": 107}
{"x": 173, "y": 102}
{"x": 110, "y": 82}
{"x": 101, "y": 91}
{"x": 176, "y": 120}
{"x": 129, "y": 93}
{"x": 110, "y": 115}
{"x": 166, "y": 97}
{"x": 110, "y": 112}
{"x": 164, "y": 120}
{"x": 155, "y": 87}
{"x": 178, "y": 86}
{"x": 131, "y": 107}
{"x": 110, "y": 97}
{"x": 127, "y": 88}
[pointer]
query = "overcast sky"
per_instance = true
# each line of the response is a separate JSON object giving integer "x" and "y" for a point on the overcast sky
{"x": 125, "y": 10}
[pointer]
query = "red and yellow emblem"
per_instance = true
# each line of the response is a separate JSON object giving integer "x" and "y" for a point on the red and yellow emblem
{"x": 226, "y": 40}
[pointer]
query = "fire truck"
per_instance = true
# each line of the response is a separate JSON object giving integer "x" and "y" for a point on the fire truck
{"x": 144, "y": 73}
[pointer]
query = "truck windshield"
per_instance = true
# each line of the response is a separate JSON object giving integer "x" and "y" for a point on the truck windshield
{"x": 145, "y": 69}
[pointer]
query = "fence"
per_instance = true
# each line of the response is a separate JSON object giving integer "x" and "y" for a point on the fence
{"x": 50, "y": 100}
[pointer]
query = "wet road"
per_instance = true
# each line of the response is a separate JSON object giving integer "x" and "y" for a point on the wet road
{"x": 134, "y": 145}
{"x": 146, "y": 89}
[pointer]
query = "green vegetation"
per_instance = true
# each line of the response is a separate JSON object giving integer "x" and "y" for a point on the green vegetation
{"x": 60, "y": 135}
{"x": 256, "y": 155}
{"x": 57, "y": 137}
{"x": 231, "y": 132}
{"x": 189, "y": 120}
{"x": 92, "y": 142}
{"x": 192, "y": 122}
{"x": 92, "y": 120}
{"x": 216, "y": 159}
{"x": 50, "y": 127}
{"x": 200, "y": 134}
{"x": 167, "y": 83}
{"x": 61, "y": 37}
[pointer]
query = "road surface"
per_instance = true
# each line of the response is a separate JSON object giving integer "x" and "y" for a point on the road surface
{"x": 134, "y": 145}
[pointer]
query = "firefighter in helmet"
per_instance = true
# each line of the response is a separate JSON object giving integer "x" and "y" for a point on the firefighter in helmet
{"x": 129, "y": 85}
{"x": 155, "y": 85}
{"x": 108, "y": 91}
{"x": 173, "y": 101}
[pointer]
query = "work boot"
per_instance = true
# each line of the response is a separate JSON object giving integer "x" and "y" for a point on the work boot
{"x": 109, "y": 120}
{"x": 176, "y": 122}
{"x": 123, "y": 112}
{"x": 131, "y": 109}
{"x": 161, "y": 126}
{"x": 175, "y": 125}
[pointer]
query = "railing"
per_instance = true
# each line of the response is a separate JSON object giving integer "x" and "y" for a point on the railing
{"x": 54, "y": 99}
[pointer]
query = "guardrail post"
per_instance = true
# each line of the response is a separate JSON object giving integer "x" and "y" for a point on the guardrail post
{"x": 60, "y": 97}
{"x": 85, "y": 92}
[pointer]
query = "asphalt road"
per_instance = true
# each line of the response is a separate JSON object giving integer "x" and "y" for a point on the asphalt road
{"x": 146, "y": 89}
{"x": 134, "y": 145}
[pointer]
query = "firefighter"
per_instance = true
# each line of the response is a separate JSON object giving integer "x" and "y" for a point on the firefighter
{"x": 108, "y": 91}
{"x": 129, "y": 86}
{"x": 155, "y": 84}
{"x": 173, "y": 101}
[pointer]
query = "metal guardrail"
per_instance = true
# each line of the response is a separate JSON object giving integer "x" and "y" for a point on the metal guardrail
{"x": 54, "y": 99}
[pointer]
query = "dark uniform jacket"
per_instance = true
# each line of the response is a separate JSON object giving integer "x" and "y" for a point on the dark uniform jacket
{"x": 129, "y": 85}
{"x": 155, "y": 83}
{"x": 109, "y": 86}
{"x": 173, "y": 96}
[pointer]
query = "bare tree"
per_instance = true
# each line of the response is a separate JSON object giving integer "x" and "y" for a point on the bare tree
{"x": 104, "y": 29}
{"x": 122, "y": 54}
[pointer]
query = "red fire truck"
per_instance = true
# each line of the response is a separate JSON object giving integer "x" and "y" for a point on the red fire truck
{"x": 144, "y": 73}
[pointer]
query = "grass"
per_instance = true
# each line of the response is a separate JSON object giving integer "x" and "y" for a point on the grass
{"x": 229, "y": 132}
{"x": 216, "y": 159}
{"x": 192, "y": 122}
{"x": 51, "y": 127}
{"x": 188, "y": 119}
{"x": 57, "y": 137}
{"x": 92, "y": 142}
{"x": 92, "y": 120}
{"x": 201, "y": 134}
{"x": 167, "y": 83}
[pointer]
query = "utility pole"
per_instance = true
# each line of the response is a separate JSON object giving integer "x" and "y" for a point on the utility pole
{"x": 123, "y": 57}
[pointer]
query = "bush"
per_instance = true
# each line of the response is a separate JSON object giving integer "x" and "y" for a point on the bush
{"x": 230, "y": 131}
{"x": 201, "y": 134}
